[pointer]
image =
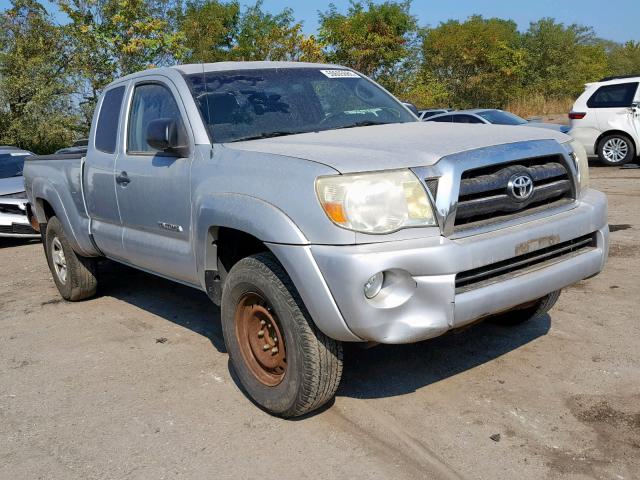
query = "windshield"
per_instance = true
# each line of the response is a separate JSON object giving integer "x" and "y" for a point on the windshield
{"x": 11, "y": 164}
{"x": 500, "y": 117}
{"x": 250, "y": 104}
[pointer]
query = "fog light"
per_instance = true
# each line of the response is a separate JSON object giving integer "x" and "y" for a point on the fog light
{"x": 374, "y": 285}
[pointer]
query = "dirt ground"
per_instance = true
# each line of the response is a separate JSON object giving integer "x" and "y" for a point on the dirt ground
{"x": 136, "y": 384}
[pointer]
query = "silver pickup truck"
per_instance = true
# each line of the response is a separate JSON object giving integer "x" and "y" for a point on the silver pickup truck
{"x": 316, "y": 209}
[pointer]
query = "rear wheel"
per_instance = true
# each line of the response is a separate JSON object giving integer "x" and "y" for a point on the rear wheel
{"x": 285, "y": 364}
{"x": 73, "y": 274}
{"x": 616, "y": 149}
{"x": 522, "y": 314}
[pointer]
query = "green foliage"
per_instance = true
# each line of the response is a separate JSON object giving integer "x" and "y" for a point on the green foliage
{"x": 625, "y": 59}
{"x": 35, "y": 108}
{"x": 51, "y": 75}
{"x": 210, "y": 29}
{"x": 376, "y": 39}
{"x": 216, "y": 31}
{"x": 111, "y": 38}
{"x": 478, "y": 62}
{"x": 561, "y": 59}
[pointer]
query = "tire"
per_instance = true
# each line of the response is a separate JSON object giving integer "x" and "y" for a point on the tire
{"x": 520, "y": 315}
{"x": 616, "y": 149}
{"x": 305, "y": 372}
{"x": 74, "y": 275}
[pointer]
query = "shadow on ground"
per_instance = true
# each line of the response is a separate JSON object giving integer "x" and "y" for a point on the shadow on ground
{"x": 10, "y": 242}
{"x": 182, "y": 305}
{"x": 383, "y": 371}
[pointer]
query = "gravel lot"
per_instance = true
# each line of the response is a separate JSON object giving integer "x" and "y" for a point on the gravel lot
{"x": 136, "y": 384}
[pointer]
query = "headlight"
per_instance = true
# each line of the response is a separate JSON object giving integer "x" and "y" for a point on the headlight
{"x": 379, "y": 202}
{"x": 579, "y": 155}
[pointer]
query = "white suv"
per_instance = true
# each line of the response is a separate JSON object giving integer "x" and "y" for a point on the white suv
{"x": 605, "y": 119}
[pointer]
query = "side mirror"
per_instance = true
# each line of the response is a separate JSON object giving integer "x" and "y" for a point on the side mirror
{"x": 166, "y": 135}
{"x": 412, "y": 107}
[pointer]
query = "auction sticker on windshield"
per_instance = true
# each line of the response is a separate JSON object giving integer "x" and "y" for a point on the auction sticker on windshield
{"x": 340, "y": 74}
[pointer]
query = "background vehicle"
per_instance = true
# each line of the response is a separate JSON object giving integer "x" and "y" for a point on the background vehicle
{"x": 316, "y": 209}
{"x": 605, "y": 119}
{"x": 424, "y": 114}
{"x": 493, "y": 117}
{"x": 79, "y": 146}
{"x": 13, "y": 199}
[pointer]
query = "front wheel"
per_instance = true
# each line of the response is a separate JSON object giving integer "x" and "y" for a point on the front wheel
{"x": 285, "y": 364}
{"x": 73, "y": 274}
{"x": 615, "y": 150}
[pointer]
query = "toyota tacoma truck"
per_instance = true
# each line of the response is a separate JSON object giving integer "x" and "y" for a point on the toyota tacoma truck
{"x": 316, "y": 209}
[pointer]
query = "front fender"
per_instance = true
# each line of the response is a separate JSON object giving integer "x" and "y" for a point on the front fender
{"x": 242, "y": 212}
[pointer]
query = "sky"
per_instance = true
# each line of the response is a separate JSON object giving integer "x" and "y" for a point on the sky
{"x": 620, "y": 22}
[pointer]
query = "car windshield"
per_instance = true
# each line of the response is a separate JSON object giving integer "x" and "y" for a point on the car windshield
{"x": 250, "y": 104}
{"x": 500, "y": 117}
{"x": 11, "y": 164}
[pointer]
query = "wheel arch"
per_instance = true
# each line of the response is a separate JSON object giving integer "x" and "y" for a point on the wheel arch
{"x": 229, "y": 227}
{"x": 615, "y": 132}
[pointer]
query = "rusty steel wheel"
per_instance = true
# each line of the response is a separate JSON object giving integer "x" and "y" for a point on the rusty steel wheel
{"x": 283, "y": 362}
{"x": 260, "y": 339}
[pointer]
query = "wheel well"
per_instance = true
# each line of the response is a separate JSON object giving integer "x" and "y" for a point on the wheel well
{"x": 46, "y": 208}
{"x": 226, "y": 247}
{"x": 615, "y": 132}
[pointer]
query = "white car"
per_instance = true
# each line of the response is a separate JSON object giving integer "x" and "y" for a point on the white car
{"x": 605, "y": 119}
{"x": 13, "y": 199}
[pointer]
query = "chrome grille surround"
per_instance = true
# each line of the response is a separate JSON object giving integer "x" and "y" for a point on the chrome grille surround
{"x": 449, "y": 171}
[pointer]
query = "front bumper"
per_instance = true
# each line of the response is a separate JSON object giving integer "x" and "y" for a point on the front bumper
{"x": 422, "y": 301}
{"x": 13, "y": 219}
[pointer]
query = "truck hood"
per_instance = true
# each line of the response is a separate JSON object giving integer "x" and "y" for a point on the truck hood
{"x": 11, "y": 185}
{"x": 399, "y": 145}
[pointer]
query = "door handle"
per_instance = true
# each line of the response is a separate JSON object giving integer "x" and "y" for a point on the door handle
{"x": 123, "y": 179}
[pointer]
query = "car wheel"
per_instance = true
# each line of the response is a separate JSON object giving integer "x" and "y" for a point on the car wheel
{"x": 74, "y": 275}
{"x": 285, "y": 364}
{"x": 616, "y": 150}
{"x": 529, "y": 311}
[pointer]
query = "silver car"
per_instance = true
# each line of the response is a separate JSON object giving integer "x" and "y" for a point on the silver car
{"x": 316, "y": 209}
{"x": 491, "y": 116}
{"x": 13, "y": 199}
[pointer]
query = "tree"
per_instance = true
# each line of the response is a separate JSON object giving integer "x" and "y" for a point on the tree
{"x": 112, "y": 38}
{"x": 210, "y": 29}
{"x": 561, "y": 59}
{"x": 378, "y": 40}
{"x": 218, "y": 31}
{"x": 479, "y": 62}
{"x": 35, "y": 91}
{"x": 625, "y": 59}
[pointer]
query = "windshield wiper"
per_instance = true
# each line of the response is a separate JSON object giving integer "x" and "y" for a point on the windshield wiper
{"x": 265, "y": 135}
{"x": 364, "y": 123}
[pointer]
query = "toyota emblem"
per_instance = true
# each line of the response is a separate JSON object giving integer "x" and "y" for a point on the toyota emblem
{"x": 520, "y": 186}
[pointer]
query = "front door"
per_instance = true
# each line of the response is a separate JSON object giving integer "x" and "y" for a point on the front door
{"x": 153, "y": 187}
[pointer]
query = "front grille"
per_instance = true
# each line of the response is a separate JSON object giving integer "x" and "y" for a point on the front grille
{"x": 500, "y": 271}
{"x": 18, "y": 228}
{"x": 485, "y": 197}
{"x": 11, "y": 208}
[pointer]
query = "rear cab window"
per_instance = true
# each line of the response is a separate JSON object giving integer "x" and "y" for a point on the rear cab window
{"x": 107, "y": 128}
{"x": 613, "y": 96}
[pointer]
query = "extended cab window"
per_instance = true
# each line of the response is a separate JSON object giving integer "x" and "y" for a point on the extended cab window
{"x": 151, "y": 101}
{"x": 107, "y": 128}
{"x": 613, "y": 96}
